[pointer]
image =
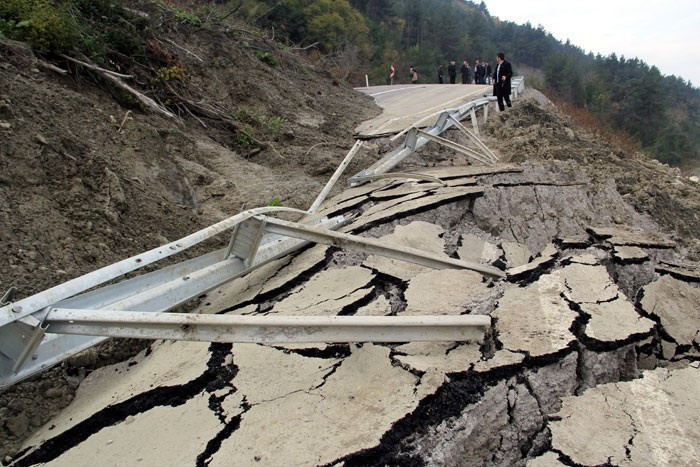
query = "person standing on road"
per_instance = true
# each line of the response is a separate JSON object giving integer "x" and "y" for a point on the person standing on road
{"x": 501, "y": 81}
{"x": 465, "y": 72}
{"x": 478, "y": 73}
{"x": 452, "y": 71}
{"x": 414, "y": 74}
{"x": 441, "y": 74}
{"x": 488, "y": 73}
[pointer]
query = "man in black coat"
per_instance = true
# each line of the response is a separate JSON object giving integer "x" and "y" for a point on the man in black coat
{"x": 465, "y": 72}
{"x": 452, "y": 71}
{"x": 501, "y": 81}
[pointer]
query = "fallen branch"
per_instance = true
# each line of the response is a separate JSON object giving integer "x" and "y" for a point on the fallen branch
{"x": 240, "y": 4}
{"x": 52, "y": 67}
{"x": 136, "y": 12}
{"x": 126, "y": 116}
{"x": 316, "y": 145}
{"x": 145, "y": 100}
{"x": 114, "y": 77}
{"x": 187, "y": 109}
{"x": 184, "y": 49}
{"x": 94, "y": 67}
{"x": 305, "y": 48}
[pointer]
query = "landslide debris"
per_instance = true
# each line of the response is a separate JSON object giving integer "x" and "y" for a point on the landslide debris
{"x": 87, "y": 178}
{"x": 534, "y": 131}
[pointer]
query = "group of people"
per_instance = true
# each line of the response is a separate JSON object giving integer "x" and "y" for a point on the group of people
{"x": 482, "y": 74}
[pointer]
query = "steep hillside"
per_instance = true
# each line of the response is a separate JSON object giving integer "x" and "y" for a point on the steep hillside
{"x": 85, "y": 181}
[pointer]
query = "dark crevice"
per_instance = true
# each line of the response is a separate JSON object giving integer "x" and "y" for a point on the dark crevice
{"x": 531, "y": 276}
{"x": 536, "y": 184}
{"x": 678, "y": 275}
{"x": 447, "y": 401}
{"x": 213, "y": 446}
{"x": 580, "y": 370}
{"x": 397, "y": 363}
{"x": 578, "y": 329}
{"x": 229, "y": 372}
{"x": 532, "y": 362}
{"x": 564, "y": 244}
{"x": 330, "y": 373}
{"x": 510, "y": 409}
{"x": 628, "y": 261}
{"x": 609, "y": 300}
{"x": 463, "y": 389}
{"x": 331, "y": 351}
{"x": 566, "y": 460}
{"x": 214, "y": 378}
{"x": 491, "y": 343}
{"x": 356, "y": 204}
{"x": 391, "y": 288}
{"x": 353, "y": 308}
{"x": 283, "y": 290}
{"x": 410, "y": 212}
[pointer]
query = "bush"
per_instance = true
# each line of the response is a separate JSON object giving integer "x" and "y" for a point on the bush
{"x": 47, "y": 28}
{"x": 52, "y": 29}
{"x": 266, "y": 57}
{"x": 187, "y": 17}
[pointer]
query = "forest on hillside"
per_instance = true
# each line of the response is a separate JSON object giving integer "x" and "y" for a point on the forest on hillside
{"x": 661, "y": 113}
{"x": 354, "y": 38}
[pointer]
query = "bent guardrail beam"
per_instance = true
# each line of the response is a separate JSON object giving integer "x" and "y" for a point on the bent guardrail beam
{"x": 51, "y": 332}
{"x": 269, "y": 329}
{"x": 447, "y": 118}
{"x": 27, "y": 347}
{"x": 31, "y": 338}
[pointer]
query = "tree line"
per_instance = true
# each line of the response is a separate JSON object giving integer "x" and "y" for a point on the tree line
{"x": 661, "y": 112}
{"x": 354, "y": 38}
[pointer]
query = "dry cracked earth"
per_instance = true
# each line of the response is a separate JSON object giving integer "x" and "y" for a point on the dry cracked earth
{"x": 592, "y": 357}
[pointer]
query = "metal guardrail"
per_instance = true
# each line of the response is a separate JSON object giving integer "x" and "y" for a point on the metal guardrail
{"x": 27, "y": 343}
{"x": 269, "y": 329}
{"x": 42, "y": 330}
{"x": 416, "y": 138}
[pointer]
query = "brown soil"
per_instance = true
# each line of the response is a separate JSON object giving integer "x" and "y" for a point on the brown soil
{"x": 537, "y": 131}
{"x": 76, "y": 193}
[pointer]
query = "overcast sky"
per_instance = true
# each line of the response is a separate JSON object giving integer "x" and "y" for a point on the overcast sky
{"x": 664, "y": 34}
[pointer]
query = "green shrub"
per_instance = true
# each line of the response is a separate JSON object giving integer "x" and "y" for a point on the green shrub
{"x": 244, "y": 137}
{"x": 267, "y": 57}
{"x": 16, "y": 10}
{"x": 46, "y": 27}
{"x": 274, "y": 124}
{"x": 187, "y": 17}
{"x": 52, "y": 29}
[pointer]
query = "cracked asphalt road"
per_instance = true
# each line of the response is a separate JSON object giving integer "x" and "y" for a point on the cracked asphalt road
{"x": 566, "y": 343}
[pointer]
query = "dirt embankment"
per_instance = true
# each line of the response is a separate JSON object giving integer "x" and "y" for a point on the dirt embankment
{"x": 85, "y": 182}
{"x": 539, "y": 132}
